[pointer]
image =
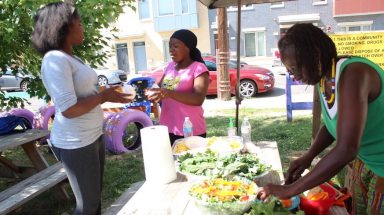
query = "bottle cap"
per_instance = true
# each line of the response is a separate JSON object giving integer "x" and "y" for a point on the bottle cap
{"x": 186, "y": 118}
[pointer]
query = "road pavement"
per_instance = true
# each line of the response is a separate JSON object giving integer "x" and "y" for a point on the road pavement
{"x": 273, "y": 99}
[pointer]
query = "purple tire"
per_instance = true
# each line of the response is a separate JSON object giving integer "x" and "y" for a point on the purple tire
{"x": 25, "y": 113}
{"x": 108, "y": 127}
{"x": 47, "y": 112}
{"x": 116, "y": 126}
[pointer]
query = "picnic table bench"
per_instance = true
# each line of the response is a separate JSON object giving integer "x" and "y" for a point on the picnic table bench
{"x": 144, "y": 198}
{"x": 45, "y": 178}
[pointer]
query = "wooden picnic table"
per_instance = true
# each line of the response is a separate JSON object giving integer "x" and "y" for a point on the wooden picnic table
{"x": 27, "y": 141}
{"x": 145, "y": 198}
{"x": 42, "y": 178}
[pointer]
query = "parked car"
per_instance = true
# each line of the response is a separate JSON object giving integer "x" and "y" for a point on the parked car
{"x": 13, "y": 81}
{"x": 253, "y": 79}
{"x": 108, "y": 76}
{"x": 234, "y": 61}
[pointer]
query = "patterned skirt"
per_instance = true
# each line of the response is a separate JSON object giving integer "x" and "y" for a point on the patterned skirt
{"x": 367, "y": 190}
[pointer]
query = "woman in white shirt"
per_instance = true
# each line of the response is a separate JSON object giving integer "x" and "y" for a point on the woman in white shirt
{"x": 76, "y": 133}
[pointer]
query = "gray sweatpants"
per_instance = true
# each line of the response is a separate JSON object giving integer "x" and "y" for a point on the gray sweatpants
{"x": 85, "y": 168}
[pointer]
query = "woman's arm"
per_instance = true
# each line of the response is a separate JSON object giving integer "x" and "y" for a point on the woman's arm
{"x": 355, "y": 86}
{"x": 85, "y": 105}
{"x": 195, "y": 98}
{"x": 297, "y": 167}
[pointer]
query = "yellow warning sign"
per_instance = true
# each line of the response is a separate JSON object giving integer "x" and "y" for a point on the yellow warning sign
{"x": 369, "y": 45}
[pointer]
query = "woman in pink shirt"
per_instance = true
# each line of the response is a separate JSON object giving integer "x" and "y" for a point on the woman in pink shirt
{"x": 183, "y": 86}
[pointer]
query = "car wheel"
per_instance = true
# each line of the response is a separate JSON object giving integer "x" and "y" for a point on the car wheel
{"x": 24, "y": 85}
{"x": 248, "y": 88}
{"x": 103, "y": 81}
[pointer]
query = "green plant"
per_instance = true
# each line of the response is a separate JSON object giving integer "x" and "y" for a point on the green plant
{"x": 16, "y": 49}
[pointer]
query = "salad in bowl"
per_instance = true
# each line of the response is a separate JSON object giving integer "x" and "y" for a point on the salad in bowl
{"x": 209, "y": 164}
{"x": 228, "y": 196}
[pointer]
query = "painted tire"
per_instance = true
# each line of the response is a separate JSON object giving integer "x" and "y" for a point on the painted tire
{"x": 116, "y": 125}
{"x": 25, "y": 113}
{"x": 108, "y": 127}
{"x": 47, "y": 112}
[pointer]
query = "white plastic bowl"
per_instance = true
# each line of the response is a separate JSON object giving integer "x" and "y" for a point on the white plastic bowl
{"x": 194, "y": 144}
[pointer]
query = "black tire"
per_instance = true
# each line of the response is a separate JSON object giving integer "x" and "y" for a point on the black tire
{"x": 24, "y": 85}
{"x": 102, "y": 80}
{"x": 248, "y": 88}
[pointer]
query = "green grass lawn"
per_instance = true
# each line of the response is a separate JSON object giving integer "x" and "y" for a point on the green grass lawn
{"x": 123, "y": 170}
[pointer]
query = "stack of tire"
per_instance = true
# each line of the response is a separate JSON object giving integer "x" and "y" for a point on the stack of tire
{"x": 37, "y": 120}
{"x": 42, "y": 117}
{"x": 115, "y": 125}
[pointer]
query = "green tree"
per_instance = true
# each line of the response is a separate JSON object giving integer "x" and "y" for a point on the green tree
{"x": 16, "y": 49}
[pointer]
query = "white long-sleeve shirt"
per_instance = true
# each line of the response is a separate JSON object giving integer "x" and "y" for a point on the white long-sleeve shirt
{"x": 68, "y": 79}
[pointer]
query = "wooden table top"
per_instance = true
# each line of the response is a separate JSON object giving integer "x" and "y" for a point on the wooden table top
{"x": 17, "y": 139}
{"x": 173, "y": 198}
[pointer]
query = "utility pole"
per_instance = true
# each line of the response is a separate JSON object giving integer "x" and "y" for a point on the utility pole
{"x": 223, "y": 82}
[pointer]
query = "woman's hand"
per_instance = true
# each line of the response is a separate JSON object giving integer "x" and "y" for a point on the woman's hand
{"x": 297, "y": 167}
{"x": 156, "y": 94}
{"x": 114, "y": 94}
{"x": 280, "y": 191}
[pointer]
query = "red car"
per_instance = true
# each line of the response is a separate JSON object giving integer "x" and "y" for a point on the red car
{"x": 253, "y": 79}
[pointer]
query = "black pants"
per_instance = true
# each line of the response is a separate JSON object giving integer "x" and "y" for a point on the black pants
{"x": 174, "y": 137}
{"x": 85, "y": 168}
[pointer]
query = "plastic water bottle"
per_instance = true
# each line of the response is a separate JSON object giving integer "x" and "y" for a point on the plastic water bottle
{"x": 246, "y": 130}
{"x": 231, "y": 128}
{"x": 187, "y": 127}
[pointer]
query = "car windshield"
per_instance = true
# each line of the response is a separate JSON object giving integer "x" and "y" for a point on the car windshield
{"x": 232, "y": 65}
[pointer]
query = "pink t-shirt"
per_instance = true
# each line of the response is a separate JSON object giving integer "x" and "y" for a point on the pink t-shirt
{"x": 174, "y": 112}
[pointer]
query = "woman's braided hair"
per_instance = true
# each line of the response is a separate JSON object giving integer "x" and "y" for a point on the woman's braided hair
{"x": 314, "y": 50}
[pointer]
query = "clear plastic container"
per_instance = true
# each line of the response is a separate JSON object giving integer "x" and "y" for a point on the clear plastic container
{"x": 246, "y": 130}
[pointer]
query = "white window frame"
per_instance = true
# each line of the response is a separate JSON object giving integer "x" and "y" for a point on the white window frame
{"x": 281, "y": 5}
{"x": 149, "y": 11}
{"x": 243, "y": 7}
{"x": 168, "y": 14}
{"x": 165, "y": 42}
{"x": 319, "y": 2}
{"x": 255, "y": 31}
{"x": 181, "y": 6}
{"x": 348, "y": 25}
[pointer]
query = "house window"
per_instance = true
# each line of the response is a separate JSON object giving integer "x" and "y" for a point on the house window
{"x": 319, "y": 2}
{"x": 277, "y": 4}
{"x": 355, "y": 26}
{"x": 165, "y": 7}
{"x": 167, "y": 56}
{"x": 184, "y": 6}
{"x": 243, "y": 7}
{"x": 255, "y": 44}
{"x": 144, "y": 9}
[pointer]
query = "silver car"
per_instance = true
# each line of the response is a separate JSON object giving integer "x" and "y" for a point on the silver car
{"x": 108, "y": 76}
{"x": 9, "y": 81}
